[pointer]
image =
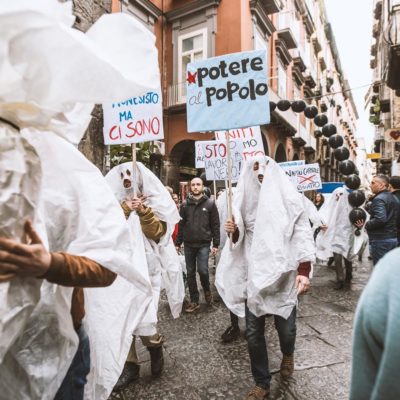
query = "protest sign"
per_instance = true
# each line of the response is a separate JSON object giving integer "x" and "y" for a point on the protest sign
{"x": 199, "y": 155}
{"x": 304, "y": 177}
{"x": 216, "y": 160}
{"x": 250, "y": 137}
{"x": 227, "y": 92}
{"x": 135, "y": 120}
{"x": 289, "y": 164}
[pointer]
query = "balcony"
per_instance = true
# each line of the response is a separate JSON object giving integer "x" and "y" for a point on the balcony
{"x": 269, "y": 6}
{"x": 316, "y": 43}
{"x": 309, "y": 78}
{"x": 298, "y": 59}
{"x": 288, "y": 29}
{"x": 322, "y": 62}
{"x": 176, "y": 95}
{"x": 373, "y": 50}
{"x": 376, "y": 29}
{"x": 393, "y": 77}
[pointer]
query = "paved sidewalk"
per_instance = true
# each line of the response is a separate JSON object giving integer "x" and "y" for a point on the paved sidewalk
{"x": 199, "y": 367}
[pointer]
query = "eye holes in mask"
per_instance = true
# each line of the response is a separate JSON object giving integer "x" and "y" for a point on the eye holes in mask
{"x": 256, "y": 166}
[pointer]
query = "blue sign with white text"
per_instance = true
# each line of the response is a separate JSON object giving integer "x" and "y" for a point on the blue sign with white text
{"x": 227, "y": 92}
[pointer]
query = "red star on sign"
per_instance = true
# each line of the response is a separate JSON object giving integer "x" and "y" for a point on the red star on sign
{"x": 191, "y": 78}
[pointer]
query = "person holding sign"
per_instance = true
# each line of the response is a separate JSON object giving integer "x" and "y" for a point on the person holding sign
{"x": 198, "y": 227}
{"x": 151, "y": 214}
{"x": 269, "y": 264}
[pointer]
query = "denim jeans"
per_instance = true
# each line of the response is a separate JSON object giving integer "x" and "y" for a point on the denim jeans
{"x": 199, "y": 256}
{"x": 74, "y": 382}
{"x": 378, "y": 248}
{"x": 255, "y": 327}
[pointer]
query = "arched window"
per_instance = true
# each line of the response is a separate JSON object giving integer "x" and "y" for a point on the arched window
{"x": 280, "y": 154}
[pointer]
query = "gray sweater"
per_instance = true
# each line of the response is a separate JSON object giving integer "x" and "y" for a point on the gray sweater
{"x": 376, "y": 341}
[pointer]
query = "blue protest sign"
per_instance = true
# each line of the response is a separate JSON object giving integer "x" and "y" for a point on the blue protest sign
{"x": 227, "y": 92}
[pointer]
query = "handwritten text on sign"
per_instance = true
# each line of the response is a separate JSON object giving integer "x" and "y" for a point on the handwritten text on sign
{"x": 250, "y": 137}
{"x": 216, "y": 160}
{"x": 135, "y": 120}
{"x": 305, "y": 177}
{"x": 227, "y": 92}
{"x": 199, "y": 155}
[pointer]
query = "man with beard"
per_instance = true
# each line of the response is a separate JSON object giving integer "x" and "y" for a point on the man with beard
{"x": 269, "y": 264}
{"x": 198, "y": 227}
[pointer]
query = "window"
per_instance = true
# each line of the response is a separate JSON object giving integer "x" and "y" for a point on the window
{"x": 282, "y": 81}
{"x": 260, "y": 43}
{"x": 191, "y": 47}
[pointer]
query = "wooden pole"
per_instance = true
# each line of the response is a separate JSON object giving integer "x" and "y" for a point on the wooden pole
{"x": 215, "y": 190}
{"x": 229, "y": 164}
{"x": 134, "y": 180}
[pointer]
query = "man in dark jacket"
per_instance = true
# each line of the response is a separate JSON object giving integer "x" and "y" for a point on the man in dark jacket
{"x": 198, "y": 227}
{"x": 382, "y": 226}
{"x": 395, "y": 189}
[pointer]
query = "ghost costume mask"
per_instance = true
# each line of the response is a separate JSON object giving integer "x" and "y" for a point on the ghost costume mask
{"x": 51, "y": 76}
{"x": 274, "y": 237}
{"x": 163, "y": 263}
{"x": 339, "y": 237}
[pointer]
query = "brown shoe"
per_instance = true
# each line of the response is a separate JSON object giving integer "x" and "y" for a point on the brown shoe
{"x": 257, "y": 393}
{"x": 287, "y": 366}
{"x": 208, "y": 296}
{"x": 192, "y": 307}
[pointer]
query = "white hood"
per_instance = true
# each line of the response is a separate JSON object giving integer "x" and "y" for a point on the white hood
{"x": 339, "y": 236}
{"x": 163, "y": 263}
{"x": 275, "y": 236}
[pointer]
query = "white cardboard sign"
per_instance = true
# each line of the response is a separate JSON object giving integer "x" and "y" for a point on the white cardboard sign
{"x": 251, "y": 138}
{"x": 216, "y": 160}
{"x": 135, "y": 120}
{"x": 304, "y": 177}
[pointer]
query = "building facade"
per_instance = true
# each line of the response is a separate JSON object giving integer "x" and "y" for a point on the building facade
{"x": 383, "y": 99}
{"x": 303, "y": 65}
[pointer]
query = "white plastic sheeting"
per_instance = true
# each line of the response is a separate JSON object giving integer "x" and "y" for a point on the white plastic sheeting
{"x": 163, "y": 263}
{"x": 339, "y": 237}
{"x": 50, "y": 77}
{"x": 275, "y": 236}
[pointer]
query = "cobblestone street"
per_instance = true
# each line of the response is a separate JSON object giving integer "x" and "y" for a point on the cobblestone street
{"x": 199, "y": 366}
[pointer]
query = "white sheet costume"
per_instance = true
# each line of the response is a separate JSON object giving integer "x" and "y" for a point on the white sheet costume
{"x": 163, "y": 263}
{"x": 48, "y": 71}
{"x": 339, "y": 237}
{"x": 274, "y": 238}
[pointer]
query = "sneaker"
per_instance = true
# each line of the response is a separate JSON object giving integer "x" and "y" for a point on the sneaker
{"x": 231, "y": 334}
{"x": 257, "y": 393}
{"x": 208, "y": 296}
{"x": 287, "y": 366}
{"x": 129, "y": 375}
{"x": 192, "y": 307}
{"x": 156, "y": 361}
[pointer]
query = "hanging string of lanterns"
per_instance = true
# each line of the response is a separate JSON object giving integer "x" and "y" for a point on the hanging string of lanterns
{"x": 341, "y": 153}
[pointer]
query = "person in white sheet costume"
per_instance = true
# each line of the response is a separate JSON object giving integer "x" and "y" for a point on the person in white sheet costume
{"x": 51, "y": 76}
{"x": 269, "y": 263}
{"x": 336, "y": 238}
{"x": 138, "y": 189}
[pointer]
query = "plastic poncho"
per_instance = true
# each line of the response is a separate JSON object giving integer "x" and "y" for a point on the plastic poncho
{"x": 274, "y": 237}
{"x": 163, "y": 263}
{"x": 222, "y": 206}
{"x": 339, "y": 237}
{"x": 51, "y": 75}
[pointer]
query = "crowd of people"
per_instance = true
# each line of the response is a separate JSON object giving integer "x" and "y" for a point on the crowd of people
{"x": 84, "y": 258}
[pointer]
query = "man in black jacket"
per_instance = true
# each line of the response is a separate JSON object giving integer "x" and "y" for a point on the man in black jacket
{"x": 395, "y": 189}
{"x": 198, "y": 227}
{"x": 382, "y": 226}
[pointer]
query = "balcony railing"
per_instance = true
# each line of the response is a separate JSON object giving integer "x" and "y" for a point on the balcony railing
{"x": 176, "y": 94}
{"x": 289, "y": 29}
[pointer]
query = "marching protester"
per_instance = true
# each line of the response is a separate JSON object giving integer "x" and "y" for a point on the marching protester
{"x": 152, "y": 216}
{"x": 336, "y": 238}
{"x": 376, "y": 348}
{"x": 53, "y": 331}
{"x": 269, "y": 263}
{"x": 198, "y": 227}
{"x": 319, "y": 200}
{"x": 384, "y": 210}
{"x": 395, "y": 189}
